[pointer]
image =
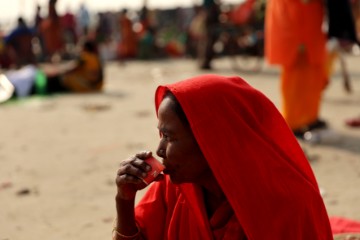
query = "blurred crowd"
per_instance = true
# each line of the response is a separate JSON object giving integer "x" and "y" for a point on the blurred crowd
{"x": 125, "y": 34}
{"x": 202, "y": 32}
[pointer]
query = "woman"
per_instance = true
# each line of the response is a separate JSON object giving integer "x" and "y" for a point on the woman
{"x": 51, "y": 32}
{"x": 233, "y": 170}
{"x": 85, "y": 76}
{"x": 297, "y": 44}
{"x": 18, "y": 43}
{"x": 128, "y": 44}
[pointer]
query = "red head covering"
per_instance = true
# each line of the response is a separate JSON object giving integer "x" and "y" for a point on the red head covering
{"x": 254, "y": 156}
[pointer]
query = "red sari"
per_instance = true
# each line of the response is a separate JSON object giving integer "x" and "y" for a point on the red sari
{"x": 165, "y": 212}
{"x": 271, "y": 190}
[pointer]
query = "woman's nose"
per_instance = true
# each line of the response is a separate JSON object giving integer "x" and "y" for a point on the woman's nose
{"x": 160, "y": 152}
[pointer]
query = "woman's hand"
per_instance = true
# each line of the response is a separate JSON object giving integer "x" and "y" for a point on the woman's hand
{"x": 128, "y": 178}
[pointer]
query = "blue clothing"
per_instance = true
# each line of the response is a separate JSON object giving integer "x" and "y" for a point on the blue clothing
{"x": 19, "y": 31}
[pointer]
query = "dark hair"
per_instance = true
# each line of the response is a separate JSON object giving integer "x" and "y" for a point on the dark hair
{"x": 21, "y": 22}
{"x": 90, "y": 46}
{"x": 176, "y": 107}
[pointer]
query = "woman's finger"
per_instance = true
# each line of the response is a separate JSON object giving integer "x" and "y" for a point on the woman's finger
{"x": 132, "y": 170}
{"x": 139, "y": 163}
{"x": 127, "y": 179}
{"x": 144, "y": 154}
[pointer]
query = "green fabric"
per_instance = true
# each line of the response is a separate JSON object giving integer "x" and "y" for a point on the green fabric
{"x": 40, "y": 83}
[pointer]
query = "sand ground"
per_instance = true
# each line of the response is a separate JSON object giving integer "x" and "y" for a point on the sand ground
{"x": 59, "y": 154}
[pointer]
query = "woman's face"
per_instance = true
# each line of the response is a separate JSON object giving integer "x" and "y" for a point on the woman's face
{"x": 181, "y": 154}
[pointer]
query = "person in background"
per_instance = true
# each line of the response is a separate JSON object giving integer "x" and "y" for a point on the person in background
{"x": 211, "y": 9}
{"x": 103, "y": 31}
{"x": 19, "y": 44}
{"x": 355, "y": 7}
{"x": 128, "y": 39}
{"x": 86, "y": 76}
{"x": 52, "y": 32}
{"x": 84, "y": 20}
{"x": 298, "y": 45}
{"x": 5, "y": 60}
{"x": 38, "y": 18}
{"x": 68, "y": 21}
{"x": 231, "y": 171}
{"x": 39, "y": 47}
{"x": 351, "y": 21}
{"x": 147, "y": 47}
{"x": 195, "y": 31}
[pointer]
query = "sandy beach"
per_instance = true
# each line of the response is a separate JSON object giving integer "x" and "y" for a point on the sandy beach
{"x": 59, "y": 154}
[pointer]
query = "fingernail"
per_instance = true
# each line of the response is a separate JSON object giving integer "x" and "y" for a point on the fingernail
{"x": 144, "y": 174}
{"x": 148, "y": 168}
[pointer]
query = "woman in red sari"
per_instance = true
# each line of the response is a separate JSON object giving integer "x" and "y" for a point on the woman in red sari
{"x": 233, "y": 170}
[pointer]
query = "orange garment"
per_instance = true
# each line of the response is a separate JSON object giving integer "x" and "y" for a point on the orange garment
{"x": 256, "y": 161}
{"x": 128, "y": 42}
{"x": 290, "y": 24}
{"x": 87, "y": 76}
{"x": 295, "y": 40}
{"x": 51, "y": 32}
{"x": 301, "y": 90}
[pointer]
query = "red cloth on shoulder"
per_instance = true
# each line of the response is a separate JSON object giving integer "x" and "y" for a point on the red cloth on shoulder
{"x": 169, "y": 211}
{"x": 255, "y": 158}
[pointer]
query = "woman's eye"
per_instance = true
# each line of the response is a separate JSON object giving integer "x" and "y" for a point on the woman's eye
{"x": 164, "y": 136}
